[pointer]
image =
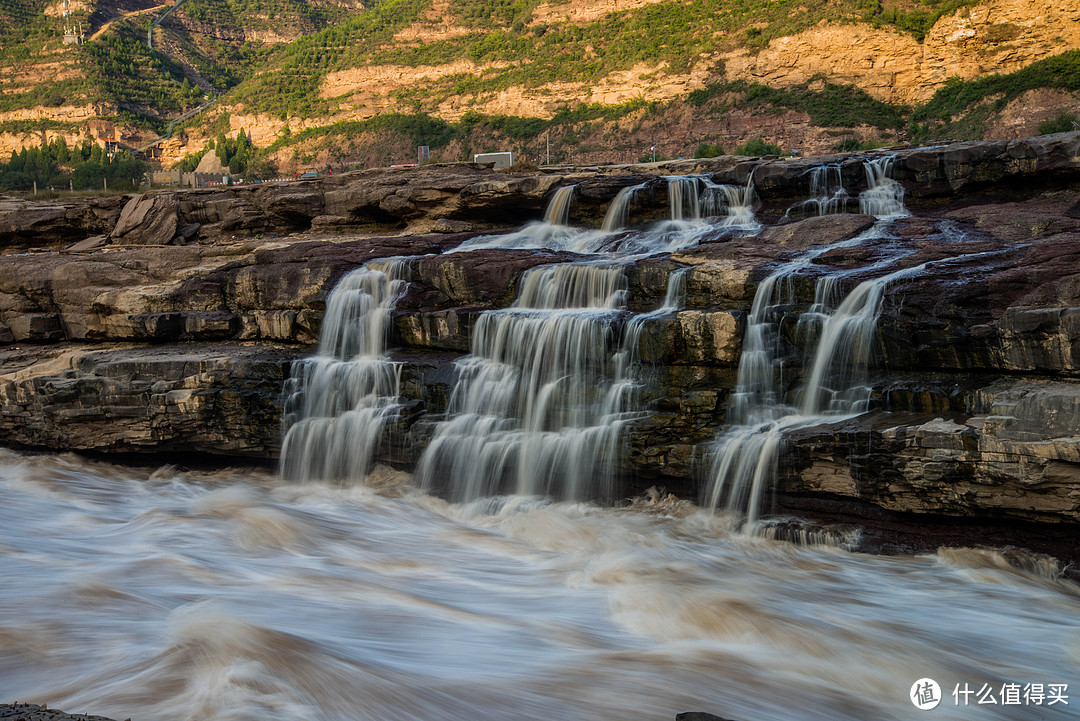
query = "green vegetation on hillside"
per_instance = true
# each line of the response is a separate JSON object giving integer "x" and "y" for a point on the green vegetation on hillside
{"x": 831, "y": 106}
{"x": 758, "y": 147}
{"x": 132, "y": 76}
{"x": 524, "y": 53}
{"x": 827, "y": 104}
{"x": 709, "y": 150}
{"x": 1063, "y": 122}
{"x": 962, "y": 108}
{"x": 1061, "y": 71}
{"x": 36, "y": 126}
{"x": 292, "y": 86}
{"x": 916, "y": 18}
{"x": 235, "y": 153}
{"x": 146, "y": 88}
{"x": 419, "y": 129}
{"x": 21, "y": 20}
{"x": 277, "y": 15}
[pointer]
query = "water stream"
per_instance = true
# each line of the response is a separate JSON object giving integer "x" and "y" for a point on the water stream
{"x": 176, "y": 596}
{"x": 181, "y": 596}
{"x": 339, "y": 401}
{"x": 837, "y": 352}
{"x": 884, "y": 196}
{"x": 540, "y": 402}
{"x": 827, "y": 193}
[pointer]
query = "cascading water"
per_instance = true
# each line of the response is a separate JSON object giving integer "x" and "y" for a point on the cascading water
{"x": 339, "y": 401}
{"x": 541, "y": 401}
{"x": 558, "y": 210}
{"x": 618, "y": 212}
{"x": 827, "y": 193}
{"x": 884, "y": 197}
{"x": 552, "y": 233}
{"x": 683, "y": 196}
{"x": 682, "y": 230}
{"x": 746, "y": 456}
{"x": 730, "y": 206}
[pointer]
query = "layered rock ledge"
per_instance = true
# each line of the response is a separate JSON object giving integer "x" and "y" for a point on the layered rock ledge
{"x": 183, "y": 347}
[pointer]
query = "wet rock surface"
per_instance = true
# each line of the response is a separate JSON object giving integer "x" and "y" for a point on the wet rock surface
{"x": 184, "y": 347}
{"x": 41, "y": 712}
{"x": 223, "y": 400}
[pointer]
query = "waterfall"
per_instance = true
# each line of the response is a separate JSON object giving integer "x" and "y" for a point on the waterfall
{"x": 676, "y": 291}
{"x": 827, "y": 193}
{"x": 552, "y": 233}
{"x": 616, "y": 216}
{"x": 746, "y": 457}
{"x": 541, "y": 401}
{"x": 883, "y": 197}
{"x": 558, "y": 210}
{"x": 683, "y": 192}
{"x": 338, "y": 402}
{"x": 684, "y": 228}
{"x": 734, "y": 205}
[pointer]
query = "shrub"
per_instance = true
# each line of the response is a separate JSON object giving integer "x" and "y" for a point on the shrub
{"x": 708, "y": 150}
{"x": 1063, "y": 122}
{"x": 757, "y": 147}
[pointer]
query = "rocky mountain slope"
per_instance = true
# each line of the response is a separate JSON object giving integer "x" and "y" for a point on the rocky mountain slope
{"x": 335, "y": 84}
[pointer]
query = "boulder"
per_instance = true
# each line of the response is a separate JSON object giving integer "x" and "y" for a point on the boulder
{"x": 147, "y": 219}
{"x": 817, "y": 230}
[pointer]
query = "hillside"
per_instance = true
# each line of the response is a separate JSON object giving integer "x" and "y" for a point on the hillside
{"x": 110, "y": 86}
{"x": 335, "y": 84}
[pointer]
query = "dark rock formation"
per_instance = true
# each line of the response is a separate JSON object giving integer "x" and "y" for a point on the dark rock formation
{"x": 222, "y": 400}
{"x": 30, "y": 224}
{"x": 148, "y": 219}
{"x": 36, "y": 712}
{"x": 184, "y": 347}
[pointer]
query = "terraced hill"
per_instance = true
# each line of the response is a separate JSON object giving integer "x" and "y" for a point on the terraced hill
{"x": 335, "y": 83}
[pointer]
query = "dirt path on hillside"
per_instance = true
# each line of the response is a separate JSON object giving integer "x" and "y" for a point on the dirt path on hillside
{"x": 101, "y": 30}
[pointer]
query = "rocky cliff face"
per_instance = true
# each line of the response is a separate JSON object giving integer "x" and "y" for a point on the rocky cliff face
{"x": 182, "y": 347}
{"x": 1000, "y": 36}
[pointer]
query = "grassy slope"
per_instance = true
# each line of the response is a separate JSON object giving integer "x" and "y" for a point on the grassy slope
{"x": 536, "y": 54}
{"x": 284, "y": 80}
{"x": 118, "y": 70}
{"x": 623, "y": 133}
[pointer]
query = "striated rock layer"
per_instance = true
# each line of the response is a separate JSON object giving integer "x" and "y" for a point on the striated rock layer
{"x": 975, "y": 412}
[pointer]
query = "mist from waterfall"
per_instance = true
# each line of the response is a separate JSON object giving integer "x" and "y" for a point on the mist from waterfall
{"x": 338, "y": 402}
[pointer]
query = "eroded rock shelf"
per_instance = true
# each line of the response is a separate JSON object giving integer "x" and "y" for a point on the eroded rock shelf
{"x": 183, "y": 347}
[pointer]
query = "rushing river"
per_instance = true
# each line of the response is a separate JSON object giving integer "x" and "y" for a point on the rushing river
{"x": 171, "y": 596}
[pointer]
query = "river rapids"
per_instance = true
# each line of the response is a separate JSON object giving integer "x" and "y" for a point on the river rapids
{"x": 182, "y": 596}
